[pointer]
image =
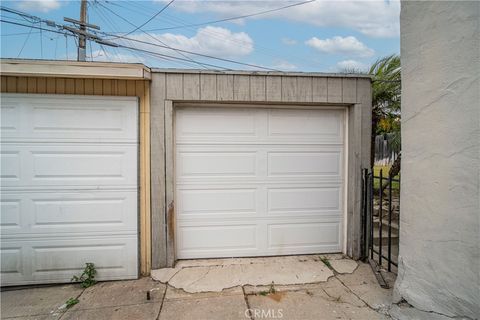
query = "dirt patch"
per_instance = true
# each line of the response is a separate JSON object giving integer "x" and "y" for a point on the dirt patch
{"x": 277, "y": 296}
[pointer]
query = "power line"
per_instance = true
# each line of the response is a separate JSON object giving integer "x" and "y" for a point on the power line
{"x": 191, "y": 52}
{"x": 25, "y": 42}
{"x": 234, "y": 18}
{"x": 98, "y": 40}
{"x": 153, "y": 17}
{"x": 120, "y": 46}
{"x": 18, "y": 34}
{"x": 132, "y": 6}
{"x": 39, "y": 28}
{"x": 153, "y": 37}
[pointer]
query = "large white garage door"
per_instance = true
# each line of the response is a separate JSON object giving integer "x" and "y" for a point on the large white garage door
{"x": 68, "y": 187}
{"x": 255, "y": 182}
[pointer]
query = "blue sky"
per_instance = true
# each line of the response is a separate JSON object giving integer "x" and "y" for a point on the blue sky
{"x": 326, "y": 36}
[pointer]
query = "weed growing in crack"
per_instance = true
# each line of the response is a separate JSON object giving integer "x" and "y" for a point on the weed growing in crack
{"x": 87, "y": 278}
{"x": 71, "y": 302}
{"x": 326, "y": 262}
{"x": 271, "y": 290}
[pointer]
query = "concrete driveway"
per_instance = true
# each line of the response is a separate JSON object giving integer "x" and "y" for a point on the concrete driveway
{"x": 199, "y": 290}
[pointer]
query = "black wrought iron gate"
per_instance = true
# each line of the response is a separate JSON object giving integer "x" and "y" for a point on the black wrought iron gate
{"x": 381, "y": 219}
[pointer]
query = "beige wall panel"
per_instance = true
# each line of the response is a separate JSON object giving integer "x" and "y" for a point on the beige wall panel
{"x": 289, "y": 89}
{"x": 225, "y": 87}
{"x": 70, "y": 86}
{"x": 174, "y": 86}
{"x": 22, "y": 85}
{"x": 334, "y": 90}
{"x": 349, "y": 90}
{"x": 241, "y": 88}
{"x": 157, "y": 178}
{"x": 191, "y": 87}
{"x": 122, "y": 87}
{"x": 41, "y": 85}
{"x": 89, "y": 86}
{"x": 3, "y": 83}
{"x": 274, "y": 88}
{"x": 258, "y": 88}
{"x": 98, "y": 86}
{"x": 79, "y": 86}
{"x": 131, "y": 87}
{"x": 31, "y": 85}
{"x": 107, "y": 87}
{"x": 208, "y": 87}
{"x": 60, "y": 86}
{"x": 304, "y": 91}
{"x": 11, "y": 84}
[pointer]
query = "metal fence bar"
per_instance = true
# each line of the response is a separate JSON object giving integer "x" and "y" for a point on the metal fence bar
{"x": 385, "y": 257}
{"x": 373, "y": 246}
{"x": 365, "y": 214}
{"x": 389, "y": 224}
{"x": 380, "y": 214}
{"x": 370, "y": 194}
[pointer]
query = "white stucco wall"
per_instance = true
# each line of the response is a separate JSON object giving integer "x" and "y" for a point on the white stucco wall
{"x": 440, "y": 210}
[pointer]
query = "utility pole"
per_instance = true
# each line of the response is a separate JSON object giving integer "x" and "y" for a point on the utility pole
{"x": 82, "y": 32}
{"x": 82, "y": 42}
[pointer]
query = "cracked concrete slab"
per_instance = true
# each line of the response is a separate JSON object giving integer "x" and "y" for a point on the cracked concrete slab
{"x": 39, "y": 303}
{"x": 408, "y": 313}
{"x": 343, "y": 296}
{"x": 343, "y": 265}
{"x": 136, "y": 311}
{"x": 363, "y": 283}
{"x": 120, "y": 293}
{"x": 229, "y": 304}
{"x": 313, "y": 304}
{"x": 217, "y": 274}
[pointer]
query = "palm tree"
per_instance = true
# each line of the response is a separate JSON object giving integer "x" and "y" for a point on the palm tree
{"x": 386, "y": 93}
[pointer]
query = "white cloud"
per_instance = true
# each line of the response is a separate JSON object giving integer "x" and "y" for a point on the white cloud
{"x": 341, "y": 45}
{"x": 351, "y": 65}
{"x": 374, "y": 18}
{"x": 284, "y": 65}
{"x": 39, "y": 5}
{"x": 289, "y": 42}
{"x": 215, "y": 41}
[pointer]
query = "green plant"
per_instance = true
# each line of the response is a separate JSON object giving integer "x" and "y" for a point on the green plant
{"x": 326, "y": 262}
{"x": 271, "y": 290}
{"x": 71, "y": 302}
{"x": 87, "y": 278}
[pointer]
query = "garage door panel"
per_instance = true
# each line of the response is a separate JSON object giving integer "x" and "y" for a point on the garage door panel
{"x": 29, "y": 165}
{"x": 41, "y": 118}
{"x": 312, "y": 235}
{"x": 215, "y": 124}
{"x": 11, "y": 262}
{"x": 205, "y": 239}
{"x": 57, "y": 260}
{"x": 10, "y": 165}
{"x": 319, "y": 125}
{"x": 68, "y": 187}
{"x": 205, "y": 202}
{"x": 10, "y": 211}
{"x": 64, "y": 212}
{"x": 304, "y": 200}
{"x": 276, "y": 191}
{"x": 216, "y": 164}
{"x": 304, "y": 163}
{"x": 10, "y": 118}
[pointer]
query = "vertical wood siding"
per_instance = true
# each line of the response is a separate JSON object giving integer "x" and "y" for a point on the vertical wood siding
{"x": 138, "y": 88}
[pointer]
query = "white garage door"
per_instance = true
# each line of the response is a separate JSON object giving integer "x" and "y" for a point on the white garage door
{"x": 68, "y": 187}
{"x": 257, "y": 182}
